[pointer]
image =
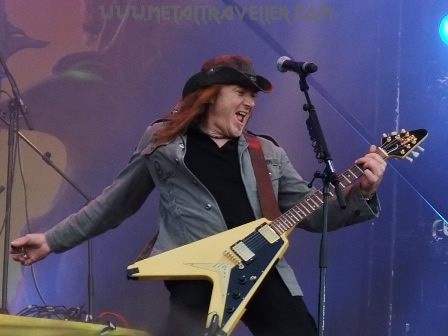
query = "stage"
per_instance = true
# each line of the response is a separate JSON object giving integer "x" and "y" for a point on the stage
{"x": 33, "y": 326}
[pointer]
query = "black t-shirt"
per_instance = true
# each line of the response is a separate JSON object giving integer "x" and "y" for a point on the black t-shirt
{"x": 219, "y": 171}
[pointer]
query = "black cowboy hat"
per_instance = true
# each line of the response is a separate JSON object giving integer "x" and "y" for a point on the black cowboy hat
{"x": 227, "y": 69}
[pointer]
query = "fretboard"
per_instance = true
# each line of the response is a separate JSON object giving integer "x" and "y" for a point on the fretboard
{"x": 312, "y": 202}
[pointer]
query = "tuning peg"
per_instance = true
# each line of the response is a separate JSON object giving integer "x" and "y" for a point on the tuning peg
{"x": 403, "y": 130}
{"x": 415, "y": 154}
{"x": 409, "y": 159}
{"x": 393, "y": 133}
{"x": 421, "y": 148}
{"x": 385, "y": 135}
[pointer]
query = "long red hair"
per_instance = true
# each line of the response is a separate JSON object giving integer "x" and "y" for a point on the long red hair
{"x": 190, "y": 111}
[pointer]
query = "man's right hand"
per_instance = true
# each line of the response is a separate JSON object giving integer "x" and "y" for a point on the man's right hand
{"x": 30, "y": 248}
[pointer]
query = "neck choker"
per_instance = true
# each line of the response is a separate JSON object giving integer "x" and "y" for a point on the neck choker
{"x": 215, "y": 136}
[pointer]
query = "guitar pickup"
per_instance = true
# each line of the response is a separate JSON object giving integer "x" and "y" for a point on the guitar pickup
{"x": 243, "y": 251}
{"x": 268, "y": 233}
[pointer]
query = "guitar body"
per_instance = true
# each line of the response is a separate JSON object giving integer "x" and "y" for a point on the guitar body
{"x": 234, "y": 280}
{"x": 236, "y": 261}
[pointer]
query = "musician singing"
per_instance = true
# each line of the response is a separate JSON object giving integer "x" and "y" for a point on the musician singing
{"x": 198, "y": 158}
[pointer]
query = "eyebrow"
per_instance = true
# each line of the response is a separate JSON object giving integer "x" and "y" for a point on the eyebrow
{"x": 245, "y": 88}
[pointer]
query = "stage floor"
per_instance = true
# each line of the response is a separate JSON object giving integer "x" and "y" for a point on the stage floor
{"x": 32, "y": 326}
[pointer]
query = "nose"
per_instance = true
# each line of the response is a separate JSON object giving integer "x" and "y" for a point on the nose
{"x": 249, "y": 102}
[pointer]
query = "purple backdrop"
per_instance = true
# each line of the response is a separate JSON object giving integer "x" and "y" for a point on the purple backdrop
{"x": 95, "y": 73}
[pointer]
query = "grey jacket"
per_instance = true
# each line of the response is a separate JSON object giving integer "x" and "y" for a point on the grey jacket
{"x": 188, "y": 211}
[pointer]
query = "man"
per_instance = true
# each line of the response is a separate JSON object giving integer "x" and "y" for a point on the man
{"x": 198, "y": 158}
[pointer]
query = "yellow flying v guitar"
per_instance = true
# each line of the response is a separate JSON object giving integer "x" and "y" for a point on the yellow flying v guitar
{"x": 236, "y": 261}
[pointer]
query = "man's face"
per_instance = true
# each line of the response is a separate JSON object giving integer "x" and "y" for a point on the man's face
{"x": 229, "y": 113}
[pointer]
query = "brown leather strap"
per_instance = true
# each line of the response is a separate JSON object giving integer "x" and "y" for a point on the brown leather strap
{"x": 268, "y": 201}
{"x": 146, "y": 252}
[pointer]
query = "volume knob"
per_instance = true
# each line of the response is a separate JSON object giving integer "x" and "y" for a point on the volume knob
{"x": 236, "y": 295}
{"x": 230, "y": 309}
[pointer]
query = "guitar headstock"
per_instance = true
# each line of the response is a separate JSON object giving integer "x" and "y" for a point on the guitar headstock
{"x": 400, "y": 145}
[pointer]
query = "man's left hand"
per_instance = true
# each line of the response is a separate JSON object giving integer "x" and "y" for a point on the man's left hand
{"x": 374, "y": 167}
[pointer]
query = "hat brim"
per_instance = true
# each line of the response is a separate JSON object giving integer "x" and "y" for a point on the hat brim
{"x": 225, "y": 75}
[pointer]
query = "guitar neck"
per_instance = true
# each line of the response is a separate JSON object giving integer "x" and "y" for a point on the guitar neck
{"x": 313, "y": 202}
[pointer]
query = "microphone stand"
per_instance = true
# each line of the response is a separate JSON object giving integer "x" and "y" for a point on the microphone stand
{"x": 47, "y": 159}
{"x": 16, "y": 109}
{"x": 328, "y": 177}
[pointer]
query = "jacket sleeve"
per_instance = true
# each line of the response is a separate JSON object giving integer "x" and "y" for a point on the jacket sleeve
{"x": 293, "y": 189}
{"x": 117, "y": 202}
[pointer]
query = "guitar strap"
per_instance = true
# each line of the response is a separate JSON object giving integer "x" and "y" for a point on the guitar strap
{"x": 268, "y": 201}
{"x": 146, "y": 252}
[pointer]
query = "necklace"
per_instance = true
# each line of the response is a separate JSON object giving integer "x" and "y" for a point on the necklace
{"x": 215, "y": 136}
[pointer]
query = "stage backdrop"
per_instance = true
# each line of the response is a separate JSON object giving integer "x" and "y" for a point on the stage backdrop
{"x": 95, "y": 73}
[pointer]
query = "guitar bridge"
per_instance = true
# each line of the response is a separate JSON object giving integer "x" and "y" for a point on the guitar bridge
{"x": 235, "y": 259}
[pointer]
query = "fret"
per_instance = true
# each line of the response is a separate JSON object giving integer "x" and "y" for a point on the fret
{"x": 330, "y": 192}
{"x": 347, "y": 179}
{"x": 291, "y": 225}
{"x": 305, "y": 204}
{"x": 352, "y": 175}
{"x": 355, "y": 176}
{"x": 310, "y": 204}
{"x": 342, "y": 184}
{"x": 295, "y": 218}
{"x": 317, "y": 199}
{"x": 274, "y": 227}
{"x": 288, "y": 224}
{"x": 285, "y": 223}
{"x": 289, "y": 221}
{"x": 297, "y": 213}
{"x": 302, "y": 207}
{"x": 279, "y": 227}
{"x": 311, "y": 199}
{"x": 360, "y": 169}
{"x": 282, "y": 225}
{"x": 300, "y": 210}
{"x": 278, "y": 223}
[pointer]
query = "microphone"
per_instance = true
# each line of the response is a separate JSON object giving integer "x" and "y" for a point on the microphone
{"x": 284, "y": 64}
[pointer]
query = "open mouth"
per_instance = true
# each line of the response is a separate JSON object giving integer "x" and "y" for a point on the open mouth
{"x": 241, "y": 116}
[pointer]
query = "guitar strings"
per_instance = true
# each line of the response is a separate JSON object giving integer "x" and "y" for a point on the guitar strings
{"x": 256, "y": 240}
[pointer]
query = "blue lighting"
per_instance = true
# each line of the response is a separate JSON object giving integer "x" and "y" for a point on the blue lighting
{"x": 444, "y": 29}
